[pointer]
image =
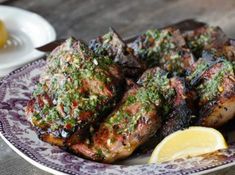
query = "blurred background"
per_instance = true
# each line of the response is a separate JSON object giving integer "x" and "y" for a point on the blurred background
{"x": 89, "y": 18}
{"x": 86, "y": 19}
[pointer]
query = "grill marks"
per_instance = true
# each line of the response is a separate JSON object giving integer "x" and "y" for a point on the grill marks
{"x": 75, "y": 91}
{"x": 115, "y": 139}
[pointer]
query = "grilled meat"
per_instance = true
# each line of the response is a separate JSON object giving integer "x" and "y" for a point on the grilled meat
{"x": 164, "y": 48}
{"x": 205, "y": 38}
{"x": 177, "y": 105}
{"x": 214, "y": 81}
{"x": 181, "y": 115}
{"x": 112, "y": 45}
{"x": 134, "y": 121}
{"x": 158, "y": 78}
{"x": 79, "y": 103}
{"x": 76, "y": 91}
{"x": 227, "y": 50}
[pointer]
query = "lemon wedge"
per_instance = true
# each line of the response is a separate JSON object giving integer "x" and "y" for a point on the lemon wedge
{"x": 3, "y": 34}
{"x": 189, "y": 142}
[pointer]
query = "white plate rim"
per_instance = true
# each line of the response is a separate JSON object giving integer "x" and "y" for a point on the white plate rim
{"x": 34, "y": 54}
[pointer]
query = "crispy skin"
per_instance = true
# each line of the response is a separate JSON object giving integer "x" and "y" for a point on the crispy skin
{"x": 164, "y": 48}
{"x": 210, "y": 39}
{"x": 229, "y": 52}
{"x": 181, "y": 115}
{"x": 158, "y": 78}
{"x": 217, "y": 113}
{"x": 75, "y": 92}
{"x": 226, "y": 51}
{"x": 221, "y": 108}
{"x": 135, "y": 120}
{"x": 214, "y": 81}
{"x": 112, "y": 45}
{"x": 176, "y": 111}
{"x": 115, "y": 139}
{"x": 205, "y": 38}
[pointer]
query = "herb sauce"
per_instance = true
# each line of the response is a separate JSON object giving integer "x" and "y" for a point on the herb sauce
{"x": 161, "y": 48}
{"x": 71, "y": 68}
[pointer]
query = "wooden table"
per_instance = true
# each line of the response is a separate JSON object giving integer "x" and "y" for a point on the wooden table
{"x": 88, "y": 18}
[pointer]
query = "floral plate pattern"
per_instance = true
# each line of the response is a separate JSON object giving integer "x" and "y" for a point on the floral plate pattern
{"x": 16, "y": 131}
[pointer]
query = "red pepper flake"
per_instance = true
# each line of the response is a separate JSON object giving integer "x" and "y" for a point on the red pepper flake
{"x": 30, "y": 106}
{"x": 120, "y": 138}
{"x": 102, "y": 136}
{"x": 68, "y": 126}
{"x": 75, "y": 103}
{"x": 107, "y": 90}
{"x": 48, "y": 99}
{"x": 40, "y": 101}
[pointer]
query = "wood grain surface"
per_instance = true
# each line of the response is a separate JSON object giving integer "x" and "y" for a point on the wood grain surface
{"x": 88, "y": 18}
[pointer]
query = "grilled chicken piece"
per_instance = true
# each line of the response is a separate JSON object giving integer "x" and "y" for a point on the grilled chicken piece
{"x": 134, "y": 121}
{"x": 76, "y": 91}
{"x": 214, "y": 81}
{"x": 112, "y": 45}
{"x": 177, "y": 105}
{"x": 164, "y": 48}
{"x": 205, "y": 38}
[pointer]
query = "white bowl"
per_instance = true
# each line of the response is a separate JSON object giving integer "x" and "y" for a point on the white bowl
{"x": 27, "y": 31}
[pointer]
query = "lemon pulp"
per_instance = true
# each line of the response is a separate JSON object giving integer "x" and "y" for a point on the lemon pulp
{"x": 189, "y": 142}
{"x": 3, "y": 34}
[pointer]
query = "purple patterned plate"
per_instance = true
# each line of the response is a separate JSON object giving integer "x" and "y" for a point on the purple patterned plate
{"x": 15, "y": 91}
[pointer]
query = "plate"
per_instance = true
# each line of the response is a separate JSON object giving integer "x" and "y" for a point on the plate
{"x": 27, "y": 31}
{"x": 16, "y": 131}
